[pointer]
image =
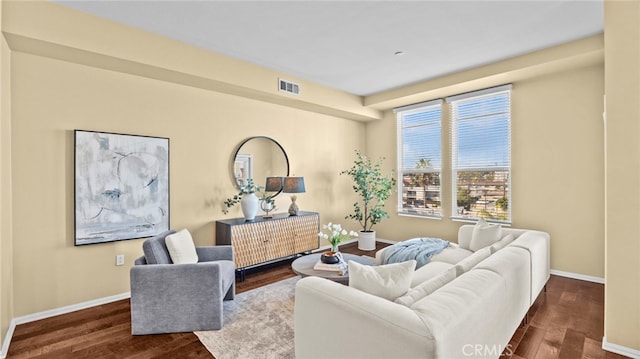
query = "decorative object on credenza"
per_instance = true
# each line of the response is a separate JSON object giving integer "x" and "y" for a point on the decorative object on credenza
{"x": 330, "y": 257}
{"x": 121, "y": 186}
{"x": 293, "y": 185}
{"x": 374, "y": 188}
{"x": 247, "y": 198}
{"x": 267, "y": 203}
{"x": 334, "y": 234}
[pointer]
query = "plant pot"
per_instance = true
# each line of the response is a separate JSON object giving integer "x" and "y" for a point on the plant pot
{"x": 367, "y": 240}
{"x": 249, "y": 204}
{"x": 330, "y": 257}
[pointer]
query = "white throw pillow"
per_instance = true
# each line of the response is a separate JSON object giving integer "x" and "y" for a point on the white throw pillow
{"x": 427, "y": 287}
{"x": 502, "y": 243}
{"x": 181, "y": 247}
{"x": 388, "y": 281}
{"x": 484, "y": 235}
{"x": 471, "y": 261}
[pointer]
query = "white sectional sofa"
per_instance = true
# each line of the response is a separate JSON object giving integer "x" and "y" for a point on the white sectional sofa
{"x": 474, "y": 315}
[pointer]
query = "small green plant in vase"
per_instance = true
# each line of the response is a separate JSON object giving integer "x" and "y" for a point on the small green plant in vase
{"x": 247, "y": 199}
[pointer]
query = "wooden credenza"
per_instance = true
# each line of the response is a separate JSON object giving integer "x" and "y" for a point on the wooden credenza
{"x": 264, "y": 240}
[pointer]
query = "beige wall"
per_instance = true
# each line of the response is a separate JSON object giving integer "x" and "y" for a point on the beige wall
{"x": 6, "y": 259}
{"x": 622, "y": 85}
{"x": 52, "y": 97}
{"x": 557, "y": 161}
{"x": 54, "y": 93}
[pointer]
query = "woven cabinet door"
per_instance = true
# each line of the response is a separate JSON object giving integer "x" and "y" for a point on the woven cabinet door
{"x": 304, "y": 233}
{"x": 276, "y": 243}
{"x": 249, "y": 244}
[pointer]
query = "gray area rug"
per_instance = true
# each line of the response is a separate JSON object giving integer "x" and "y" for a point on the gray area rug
{"x": 257, "y": 324}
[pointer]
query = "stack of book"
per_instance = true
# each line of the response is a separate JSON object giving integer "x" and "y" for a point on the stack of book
{"x": 339, "y": 268}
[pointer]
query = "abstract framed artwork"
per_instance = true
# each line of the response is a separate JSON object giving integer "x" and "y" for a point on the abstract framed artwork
{"x": 121, "y": 186}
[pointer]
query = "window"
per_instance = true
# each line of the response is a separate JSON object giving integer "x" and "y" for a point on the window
{"x": 420, "y": 159}
{"x": 481, "y": 154}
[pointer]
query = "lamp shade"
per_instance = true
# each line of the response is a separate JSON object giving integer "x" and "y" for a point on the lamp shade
{"x": 274, "y": 184}
{"x": 293, "y": 185}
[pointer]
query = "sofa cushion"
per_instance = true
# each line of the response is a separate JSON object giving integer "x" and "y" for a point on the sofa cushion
{"x": 452, "y": 254}
{"x": 471, "y": 261}
{"x": 484, "y": 235}
{"x": 181, "y": 247}
{"x": 505, "y": 241}
{"x": 428, "y": 271}
{"x": 388, "y": 281}
{"x": 427, "y": 287}
{"x": 155, "y": 249}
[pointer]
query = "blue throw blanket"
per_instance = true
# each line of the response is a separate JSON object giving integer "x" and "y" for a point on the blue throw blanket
{"x": 420, "y": 249}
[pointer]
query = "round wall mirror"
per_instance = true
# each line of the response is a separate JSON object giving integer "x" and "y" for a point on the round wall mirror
{"x": 259, "y": 157}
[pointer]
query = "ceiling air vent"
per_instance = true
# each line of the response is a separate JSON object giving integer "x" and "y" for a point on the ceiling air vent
{"x": 289, "y": 87}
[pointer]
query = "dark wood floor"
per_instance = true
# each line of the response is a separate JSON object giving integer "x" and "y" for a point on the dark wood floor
{"x": 566, "y": 322}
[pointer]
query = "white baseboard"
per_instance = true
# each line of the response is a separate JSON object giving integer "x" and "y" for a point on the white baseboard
{"x": 619, "y": 349}
{"x": 52, "y": 313}
{"x": 578, "y": 276}
{"x": 7, "y": 340}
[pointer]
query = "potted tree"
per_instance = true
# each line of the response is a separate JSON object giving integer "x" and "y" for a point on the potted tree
{"x": 374, "y": 188}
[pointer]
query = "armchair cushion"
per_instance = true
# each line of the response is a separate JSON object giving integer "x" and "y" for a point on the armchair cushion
{"x": 181, "y": 247}
{"x": 155, "y": 249}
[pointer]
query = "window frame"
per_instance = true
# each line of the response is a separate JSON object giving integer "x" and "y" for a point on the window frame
{"x": 401, "y": 112}
{"x": 453, "y": 154}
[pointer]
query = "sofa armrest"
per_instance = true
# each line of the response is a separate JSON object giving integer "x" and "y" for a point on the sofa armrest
{"x": 215, "y": 253}
{"x": 158, "y": 293}
{"x": 166, "y": 282}
{"x": 330, "y": 313}
{"x": 538, "y": 245}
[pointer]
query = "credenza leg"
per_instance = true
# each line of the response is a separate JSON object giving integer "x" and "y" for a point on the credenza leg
{"x": 241, "y": 272}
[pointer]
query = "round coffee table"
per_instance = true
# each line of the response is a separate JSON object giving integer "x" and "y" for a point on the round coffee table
{"x": 304, "y": 267}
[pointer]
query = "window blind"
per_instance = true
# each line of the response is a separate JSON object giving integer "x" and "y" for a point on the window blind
{"x": 481, "y": 153}
{"x": 420, "y": 158}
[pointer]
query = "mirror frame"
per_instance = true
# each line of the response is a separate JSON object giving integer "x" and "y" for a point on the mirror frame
{"x": 237, "y": 150}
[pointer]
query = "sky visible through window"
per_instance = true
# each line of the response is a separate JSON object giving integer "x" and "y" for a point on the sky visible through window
{"x": 417, "y": 128}
{"x": 483, "y": 132}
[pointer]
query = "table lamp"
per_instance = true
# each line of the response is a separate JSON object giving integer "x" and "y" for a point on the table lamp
{"x": 293, "y": 185}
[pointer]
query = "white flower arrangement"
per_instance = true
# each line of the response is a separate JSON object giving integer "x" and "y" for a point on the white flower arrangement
{"x": 336, "y": 235}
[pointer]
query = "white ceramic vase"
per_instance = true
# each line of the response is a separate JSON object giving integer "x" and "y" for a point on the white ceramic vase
{"x": 250, "y": 204}
{"x": 367, "y": 240}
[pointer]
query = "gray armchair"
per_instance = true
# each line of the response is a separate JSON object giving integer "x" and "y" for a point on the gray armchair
{"x": 170, "y": 298}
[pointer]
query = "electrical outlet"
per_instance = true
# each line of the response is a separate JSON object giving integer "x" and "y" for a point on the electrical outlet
{"x": 120, "y": 259}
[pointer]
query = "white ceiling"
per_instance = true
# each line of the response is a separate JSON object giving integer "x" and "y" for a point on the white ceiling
{"x": 351, "y": 45}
